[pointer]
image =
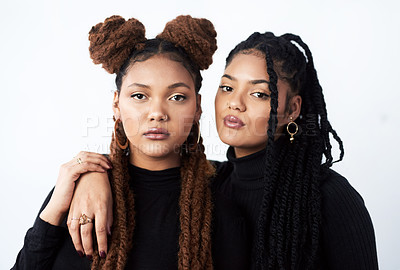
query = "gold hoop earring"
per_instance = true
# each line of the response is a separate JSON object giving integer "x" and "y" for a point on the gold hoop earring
{"x": 292, "y": 133}
{"x": 123, "y": 147}
{"x": 196, "y": 126}
{"x": 198, "y": 133}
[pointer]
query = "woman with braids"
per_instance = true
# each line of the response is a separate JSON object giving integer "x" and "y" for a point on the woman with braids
{"x": 299, "y": 213}
{"x": 160, "y": 175}
{"x": 270, "y": 109}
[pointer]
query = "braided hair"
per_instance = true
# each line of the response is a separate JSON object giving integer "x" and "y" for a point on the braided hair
{"x": 288, "y": 228}
{"x": 117, "y": 44}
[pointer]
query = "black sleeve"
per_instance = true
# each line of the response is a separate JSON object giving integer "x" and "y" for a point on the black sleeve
{"x": 348, "y": 239}
{"x": 41, "y": 244}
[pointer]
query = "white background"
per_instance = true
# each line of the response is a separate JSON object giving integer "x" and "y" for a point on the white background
{"x": 55, "y": 102}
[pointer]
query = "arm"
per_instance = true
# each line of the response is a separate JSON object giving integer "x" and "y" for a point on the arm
{"x": 40, "y": 244}
{"x": 348, "y": 239}
{"x": 94, "y": 198}
{"x": 43, "y": 240}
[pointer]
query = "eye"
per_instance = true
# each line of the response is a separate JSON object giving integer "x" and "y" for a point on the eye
{"x": 138, "y": 96}
{"x": 260, "y": 95}
{"x": 225, "y": 88}
{"x": 178, "y": 98}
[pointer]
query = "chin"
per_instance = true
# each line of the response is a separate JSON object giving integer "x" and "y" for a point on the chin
{"x": 232, "y": 141}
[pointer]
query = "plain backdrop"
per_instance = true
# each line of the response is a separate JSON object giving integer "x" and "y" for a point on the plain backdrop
{"x": 55, "y": 102}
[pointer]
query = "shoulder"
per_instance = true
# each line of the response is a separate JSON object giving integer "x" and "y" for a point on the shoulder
{"x": 222, "y": 171}
{"x": 222, "y": 168}
{"x": 348, "y": 238}
{"x": 336, "y": 190}
{"x": 342, "y": 207}
{"x": 338, "y": 197}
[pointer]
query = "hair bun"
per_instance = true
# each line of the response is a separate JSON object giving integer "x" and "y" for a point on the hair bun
{"x": 196, "y": 36}
{"x": 113, "y": 41}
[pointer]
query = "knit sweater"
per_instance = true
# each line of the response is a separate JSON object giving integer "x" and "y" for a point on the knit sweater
{"x": 156, "y": 234}
{"x": 347, "y": 237}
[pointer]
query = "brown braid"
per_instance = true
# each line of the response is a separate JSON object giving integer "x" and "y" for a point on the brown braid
{"x": 196, "y": 211}
{"x": 124, "y": 222}
{"x": 193, "y": 45}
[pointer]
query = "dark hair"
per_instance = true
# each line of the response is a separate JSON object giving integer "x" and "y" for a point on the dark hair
{"x": 117, "y": 44}
{"x": 288, "y": 230}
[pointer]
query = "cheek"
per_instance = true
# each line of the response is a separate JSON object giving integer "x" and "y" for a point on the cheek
{"x": 218, "y": 103}
{"x": 184, "y": 118}
{"x": 131, "y": 126}
{"x": 261, "y": 125}
{"x": 183, "y": 126}
{"x": 132, "y": 119}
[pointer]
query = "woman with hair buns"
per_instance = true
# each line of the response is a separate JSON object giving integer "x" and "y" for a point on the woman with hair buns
{"x": 299, "y": 214}
{"x": 160, "y": 175}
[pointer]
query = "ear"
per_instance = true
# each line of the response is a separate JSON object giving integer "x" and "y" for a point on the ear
{"x": 115, "y": 106}
{"x": 294, "y": 107}
{"x": 199, "y": 111}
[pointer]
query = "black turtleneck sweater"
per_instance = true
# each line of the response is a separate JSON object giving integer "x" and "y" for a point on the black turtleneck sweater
{"x": 155, "y": 240}
{"x": 347, "y": 235}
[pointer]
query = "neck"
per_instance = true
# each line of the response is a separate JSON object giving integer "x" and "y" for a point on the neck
{"x": 154, "y": 163}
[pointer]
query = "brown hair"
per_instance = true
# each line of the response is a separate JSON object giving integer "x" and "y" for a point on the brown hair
{"x": 117, "y": 44}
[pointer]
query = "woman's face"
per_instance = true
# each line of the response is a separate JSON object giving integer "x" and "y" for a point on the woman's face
{"x": 242, "y": 104}
{"x": 157, "y": 105}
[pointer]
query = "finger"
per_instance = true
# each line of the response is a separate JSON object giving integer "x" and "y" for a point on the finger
{"x": 110, "y": 219}
{"x": 96, "y": 160}
{"x": 87, "y": 239}
{"x": 102, "y": 157}
{"x": 101, "y": 233}
{"x": 74, "y": 231}
{"x": 88, "y": 167}
{"x": 92, "y": 155}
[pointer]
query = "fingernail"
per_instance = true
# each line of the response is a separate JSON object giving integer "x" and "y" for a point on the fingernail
{"x": 89, "y": 257}
{"x": 102, "y": 254}
{"x": 80, "y": 253}
{"x": 109, "y": 231}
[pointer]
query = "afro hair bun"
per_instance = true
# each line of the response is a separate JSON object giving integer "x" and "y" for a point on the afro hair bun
{"x": 112, "y": 41}
{"x": 196, "y": 36}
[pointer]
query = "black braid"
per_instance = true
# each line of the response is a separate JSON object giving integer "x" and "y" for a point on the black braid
{"x": 289, "y": 221}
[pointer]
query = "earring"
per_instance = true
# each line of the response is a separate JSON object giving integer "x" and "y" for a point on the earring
{"x": 123, "y": 147}
{"x": 292, "y": 133}
{"x": 196, "y": 126}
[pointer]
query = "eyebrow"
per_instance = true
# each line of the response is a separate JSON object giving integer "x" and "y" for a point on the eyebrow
{"x": 172, "y": 86}
{"x": 254, "y": 82}
{"x": 180, "y": 84}
{"x": 139, "y": 85}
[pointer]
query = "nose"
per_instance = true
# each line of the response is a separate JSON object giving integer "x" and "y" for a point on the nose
{"x": 236, "y": 102}
{"x": 157, "y": 112}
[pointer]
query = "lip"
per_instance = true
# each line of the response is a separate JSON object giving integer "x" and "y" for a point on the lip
{"x": 232, "y": 121}
{"x": 156, "y": 134}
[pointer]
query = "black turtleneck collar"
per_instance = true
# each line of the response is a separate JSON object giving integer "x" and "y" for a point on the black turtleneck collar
{"x": 249, "y": 169}
{"x": 168, "y": 179}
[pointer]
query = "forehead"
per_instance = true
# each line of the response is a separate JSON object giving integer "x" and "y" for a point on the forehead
{"x": 248, "y": 65}
{"x": 157, "y": 70}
